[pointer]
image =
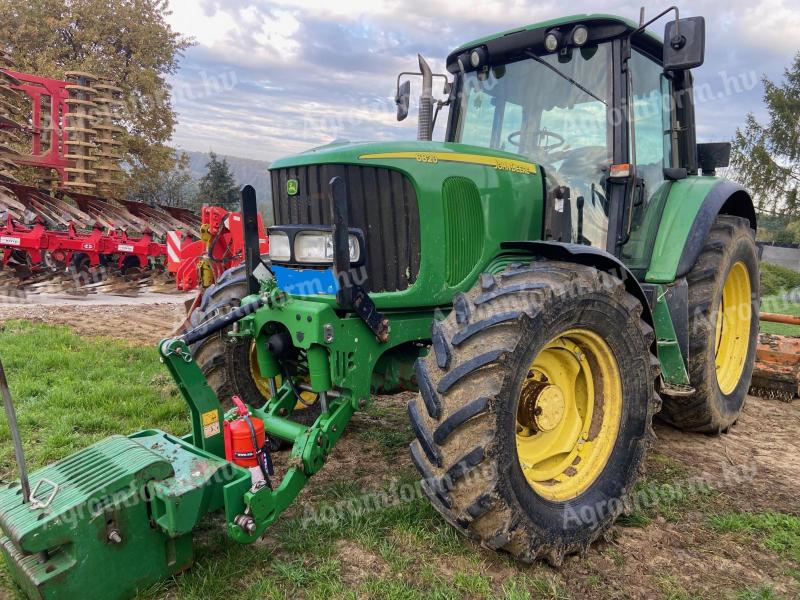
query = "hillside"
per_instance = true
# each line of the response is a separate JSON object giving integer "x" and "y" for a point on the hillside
{"x": 245, "y": 171}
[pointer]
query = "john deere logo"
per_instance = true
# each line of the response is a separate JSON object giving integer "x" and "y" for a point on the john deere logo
{"x": 292, "y": 187}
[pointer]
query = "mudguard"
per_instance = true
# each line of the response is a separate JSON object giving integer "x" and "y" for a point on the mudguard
{"x": 589, "y": 256}
{"x": 691, "y": 208}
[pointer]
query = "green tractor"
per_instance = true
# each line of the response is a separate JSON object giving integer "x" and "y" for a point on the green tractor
{"x": 559, "y": 270}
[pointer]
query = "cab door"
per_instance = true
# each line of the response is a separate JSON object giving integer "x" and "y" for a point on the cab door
{"x": 651, "y": 150}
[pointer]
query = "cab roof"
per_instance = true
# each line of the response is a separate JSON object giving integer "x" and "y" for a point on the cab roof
{"x": 510, "y": 44}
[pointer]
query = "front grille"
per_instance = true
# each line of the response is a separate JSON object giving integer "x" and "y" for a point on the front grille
{"x": 382, "y": 203}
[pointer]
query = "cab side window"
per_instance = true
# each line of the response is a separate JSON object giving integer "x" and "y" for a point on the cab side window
{"x": 651, "y": 143}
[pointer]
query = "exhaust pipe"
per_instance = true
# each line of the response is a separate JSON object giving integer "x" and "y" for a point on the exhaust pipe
{"x": 425, "y": 122}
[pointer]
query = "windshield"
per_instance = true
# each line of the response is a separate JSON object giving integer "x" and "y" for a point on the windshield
{"x": 554, "y": 109}
{"x": 539, "y": 106}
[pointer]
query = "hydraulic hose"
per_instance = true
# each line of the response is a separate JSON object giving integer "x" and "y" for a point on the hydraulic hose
{"x": 211, "y": 327}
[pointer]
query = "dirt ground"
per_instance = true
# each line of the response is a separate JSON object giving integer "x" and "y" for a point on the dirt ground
{"x": 138, "y": 320}
{"x": 753, "y": 468}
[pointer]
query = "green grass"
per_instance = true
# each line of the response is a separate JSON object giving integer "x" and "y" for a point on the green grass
{"x": 673, "y": 590}
{"x": 523, "y": 587}
{"x": 776, "y": 304}
{"x": 763, "y": 592}
{"x": 776, "y": 531}
{"x": 392, "y": 434}
{"x": 776, "y": 279}
{"x": 667, "y": 491}
{"x": 71, "y": 391}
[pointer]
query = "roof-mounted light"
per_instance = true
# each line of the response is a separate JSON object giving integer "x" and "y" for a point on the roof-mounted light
{"x": 580, "y": 35}
{"x": 478, "y": 57}
{"x": 552, "y": 41}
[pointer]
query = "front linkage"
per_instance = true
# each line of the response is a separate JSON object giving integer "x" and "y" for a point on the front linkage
{"x": 143, "y": 495}
{"x": 341, "y": 355}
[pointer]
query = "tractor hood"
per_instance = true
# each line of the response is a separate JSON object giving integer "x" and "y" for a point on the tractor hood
{"x": 364, "y": 153}
{"x": 431, "y": 215}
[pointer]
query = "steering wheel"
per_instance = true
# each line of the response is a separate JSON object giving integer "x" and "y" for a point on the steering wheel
{"x": 513, "y": 139}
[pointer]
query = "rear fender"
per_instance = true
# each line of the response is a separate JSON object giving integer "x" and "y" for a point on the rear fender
{"x": 691, "y": 208}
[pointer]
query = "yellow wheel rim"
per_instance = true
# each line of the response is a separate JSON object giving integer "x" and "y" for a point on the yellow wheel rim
{"x": 262, "y": 383}
{"x": 568, "y": 415}
{"x": 734, "y": 318}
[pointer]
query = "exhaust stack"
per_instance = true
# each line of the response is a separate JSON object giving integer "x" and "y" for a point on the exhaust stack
{"x": 425, "y": 122}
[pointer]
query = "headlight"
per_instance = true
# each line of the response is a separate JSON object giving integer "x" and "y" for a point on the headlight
{"x": 317, "y": 247}
{"x": 279, "y": 250}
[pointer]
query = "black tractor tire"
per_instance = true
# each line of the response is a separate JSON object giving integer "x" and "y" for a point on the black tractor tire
{"x": 465, "y": 417}
{"x": 709, "y": 410}
{"x": 225, "y": 360}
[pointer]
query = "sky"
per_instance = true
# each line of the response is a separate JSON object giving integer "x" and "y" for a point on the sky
{"x": 271, "y": 78}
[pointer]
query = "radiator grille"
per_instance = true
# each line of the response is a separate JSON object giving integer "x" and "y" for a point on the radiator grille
{"x": 382, "y": 203}
{"x": 463, "y": 228}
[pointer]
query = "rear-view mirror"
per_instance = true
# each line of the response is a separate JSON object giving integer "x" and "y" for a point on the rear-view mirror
{"x": 684, "y": 44}
{"x": 402, "y": 99}
{"x": 713, "y": 155}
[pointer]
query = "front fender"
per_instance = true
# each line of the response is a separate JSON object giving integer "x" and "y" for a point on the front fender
{"x": 590, "y": 257}
{"x": 690, "y": 210}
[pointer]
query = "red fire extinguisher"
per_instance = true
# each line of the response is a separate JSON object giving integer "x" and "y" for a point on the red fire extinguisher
{"x": 246, "y": 442}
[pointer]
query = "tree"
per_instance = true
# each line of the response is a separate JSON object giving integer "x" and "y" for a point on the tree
{"x": 766, "y": 157}
{"x": 170, "y": 188}
{"x": 127, "y": 42}
{"x": 218, "y": 186}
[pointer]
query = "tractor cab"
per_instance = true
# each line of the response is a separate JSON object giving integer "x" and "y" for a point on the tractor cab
{"x": 591, "y": 100}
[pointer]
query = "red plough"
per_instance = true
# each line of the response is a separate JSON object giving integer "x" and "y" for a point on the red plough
{"x": 67, "y": 134}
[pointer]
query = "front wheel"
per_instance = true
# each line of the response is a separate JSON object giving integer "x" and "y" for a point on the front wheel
{"x": 230, "y": 364}
{"x": 535, "y": 409}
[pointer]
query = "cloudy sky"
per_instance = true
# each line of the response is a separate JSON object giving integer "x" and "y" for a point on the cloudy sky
{"x": 269, "y": 78}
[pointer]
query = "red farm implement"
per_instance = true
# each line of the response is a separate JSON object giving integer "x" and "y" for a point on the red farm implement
{"x": 777, "y": 370}
{"x": 66, "y": 133}
{"x": 198, "y": 263}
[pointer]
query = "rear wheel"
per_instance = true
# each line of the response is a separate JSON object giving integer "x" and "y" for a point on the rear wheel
{"x": 723, "y": 325}
{"x": 535, "y": 409}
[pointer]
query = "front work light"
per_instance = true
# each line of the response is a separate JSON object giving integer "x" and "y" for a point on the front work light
{"x": 580, "y": 35}
{"x": 279, "y": 250}
{"x": 478, "y": 57}
{"x": 552, "y": 40}
{"x": 317, "y": 247}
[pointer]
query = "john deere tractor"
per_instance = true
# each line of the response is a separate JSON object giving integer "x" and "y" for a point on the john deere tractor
{"x": 560, "y": 269}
